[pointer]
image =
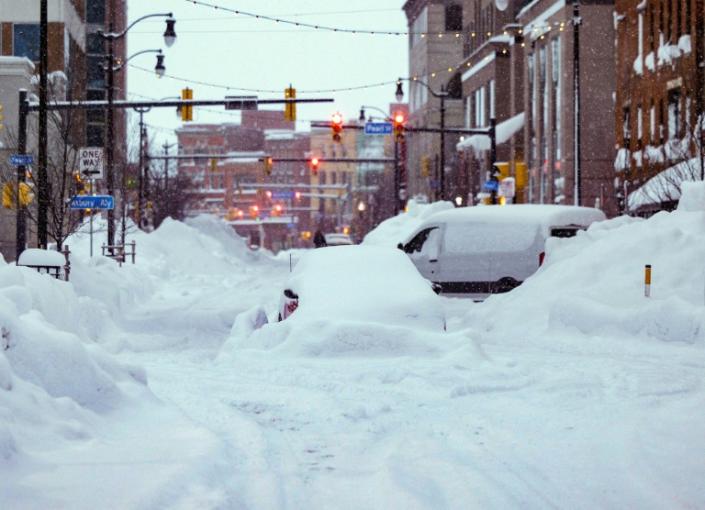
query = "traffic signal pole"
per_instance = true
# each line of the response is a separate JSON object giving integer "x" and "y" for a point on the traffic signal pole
{"x": 21, "y": 227}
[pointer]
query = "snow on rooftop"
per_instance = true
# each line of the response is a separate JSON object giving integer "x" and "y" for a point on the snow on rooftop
{"x": 279, "y": 134}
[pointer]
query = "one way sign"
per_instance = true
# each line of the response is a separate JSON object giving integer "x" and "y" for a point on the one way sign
{"x": 91, "y": 162}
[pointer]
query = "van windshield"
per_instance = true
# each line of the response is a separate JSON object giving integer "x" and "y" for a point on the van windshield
{"x": 487, "y": 238}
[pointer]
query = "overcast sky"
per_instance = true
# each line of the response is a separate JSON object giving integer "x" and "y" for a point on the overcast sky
{"x": 223, "y": 48}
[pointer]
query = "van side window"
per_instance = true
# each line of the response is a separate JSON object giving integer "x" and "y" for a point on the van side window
{"x": 567, "y": 231}
{"x": 418, "y": 241}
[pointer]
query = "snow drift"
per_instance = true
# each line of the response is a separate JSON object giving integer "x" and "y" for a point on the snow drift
{"x": 594, "y": 283}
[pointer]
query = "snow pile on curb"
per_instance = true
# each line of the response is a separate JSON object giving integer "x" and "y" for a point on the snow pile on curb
{"x": 397, "y": 229}
{"x": 53, "y": 381}
{"x": 593, "y": 284}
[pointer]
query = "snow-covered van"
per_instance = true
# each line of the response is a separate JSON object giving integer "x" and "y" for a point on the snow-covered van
{"x": 490, "y": 249}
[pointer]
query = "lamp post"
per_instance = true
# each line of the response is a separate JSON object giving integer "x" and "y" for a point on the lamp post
{"x": 111, "y": 37}
{"x": 442, "y": 95}
{"x": 576, "y": 103}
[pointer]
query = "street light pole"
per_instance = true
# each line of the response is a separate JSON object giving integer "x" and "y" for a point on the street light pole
{"x": 576, "y": 102}
{"x": 111, "y": 37}
{"x": 21, "y": 227}
{"x": 42, "y": 181}
{"x": 442, "y": 179}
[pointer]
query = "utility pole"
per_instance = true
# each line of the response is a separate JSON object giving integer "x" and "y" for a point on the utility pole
{"x": 21, "y": 226}
{"x": 442, "y": 177}
{"x": 42, "y": 181}
{"x": 109, "y": 156}
{"x": 396, "y": 176}
{"x": 576, "y": 102}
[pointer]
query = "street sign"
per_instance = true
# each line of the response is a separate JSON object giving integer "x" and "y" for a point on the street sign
{"x": 378, "y": 128}
{"x": 21, "y": 159}
{"x": 90, "y": 160}
{"x": 282, "y": 195}
{"x": 507, "y": 187}
{"x": 491, "y": 185}
{"x": 92, "y": 202}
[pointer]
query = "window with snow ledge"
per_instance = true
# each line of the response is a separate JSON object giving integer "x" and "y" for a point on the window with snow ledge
{"x": 684, "y": 44}
{"x": 649, "y": 61}
{"x": 621, "y": 162}
{"x": 653, "y": 154}
{"x": 638, "y": 158}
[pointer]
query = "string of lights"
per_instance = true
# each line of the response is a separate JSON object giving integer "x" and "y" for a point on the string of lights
{"x": 457, "y": 35}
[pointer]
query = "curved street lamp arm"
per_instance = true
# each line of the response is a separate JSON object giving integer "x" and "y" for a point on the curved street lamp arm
{"x": 367, "y": 107}
{"x": 121, "y": 65}
{"x": 120, "y": 35}
{"x": 443, "y": 93}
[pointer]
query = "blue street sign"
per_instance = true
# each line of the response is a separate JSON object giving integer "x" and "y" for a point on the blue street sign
{"x": 378, "y": 128}
{"x": 21, "y": 159}
{"x": 282, "y": 195}
{"x": 491, "y": 185}
{"x": 92, "y": 202}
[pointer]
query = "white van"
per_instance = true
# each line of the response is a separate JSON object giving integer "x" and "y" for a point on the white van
{"x": 490, "y": 249}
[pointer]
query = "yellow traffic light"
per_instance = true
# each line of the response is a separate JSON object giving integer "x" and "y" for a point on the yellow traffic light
{"x": 425, "y": 166}
{"x": 268, "y": 164}
{"x": 290, "y": 108}
{"x": 214, "y": 164}
{"x": 9, "y": 196}
{"x": 186, "y": 110}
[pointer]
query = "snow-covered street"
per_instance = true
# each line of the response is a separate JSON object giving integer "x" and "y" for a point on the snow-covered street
{"x": 570, "y": 395}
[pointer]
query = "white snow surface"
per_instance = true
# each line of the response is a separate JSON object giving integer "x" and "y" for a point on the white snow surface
{"x": 572, "y": 391}
{"x": 397, "y": 229}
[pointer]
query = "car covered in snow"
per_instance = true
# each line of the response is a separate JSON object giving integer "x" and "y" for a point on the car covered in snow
{"x": 361, "y": 284}
{"x": 336, "y": 239}
{"x": 490, "y": 249}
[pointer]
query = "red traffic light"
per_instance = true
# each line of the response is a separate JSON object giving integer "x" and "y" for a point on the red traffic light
{"x": 313, "y": 163}
{"x": 399, "y": 120}
{"x": 336, "y": 125}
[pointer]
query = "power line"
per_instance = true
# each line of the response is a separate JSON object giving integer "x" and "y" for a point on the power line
{"x": 317, "y": 26}
{"x": 288, "y": 15}
{"x": 265, "y": 91}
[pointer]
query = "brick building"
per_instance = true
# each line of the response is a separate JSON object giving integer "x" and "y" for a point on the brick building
{"x": 235, "y": 187}
{"x": 549, "y": 107}
{"x": 435, "y": 50}
{"x": 659, "y": 99}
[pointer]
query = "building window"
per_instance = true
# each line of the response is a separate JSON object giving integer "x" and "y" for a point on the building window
{"x": 674, "y": 113}
{"x": 95, "y": 72}
{"x": 25, "y": 41}
{"x": 480, "y": 107}
{"x": 639, "y": 126}
{"x": 492, "y": 99}
{"x": 419, "y": 27}
{"x": 95, "y": 11}
{"x": 454, "y": 18}
{"x": 468, "y": 112}
{"x": 532, "y": 106}
{"x": 94, "y": 44}
{"x": 626, "y": 127}
{"x": 556, "y": 75}
{"x": 652, "y": 123}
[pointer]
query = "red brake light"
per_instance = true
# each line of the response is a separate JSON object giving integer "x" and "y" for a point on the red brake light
{"x": 542, "y": 257}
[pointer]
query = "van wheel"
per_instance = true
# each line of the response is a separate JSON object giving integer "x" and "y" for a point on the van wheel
{"x": 279, "y": 318}
{"x": 504, "y": 285}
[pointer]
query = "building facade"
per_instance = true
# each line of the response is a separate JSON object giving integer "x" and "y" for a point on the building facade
{"x": 436, "y": 40}
{"x": 659, "y": 100}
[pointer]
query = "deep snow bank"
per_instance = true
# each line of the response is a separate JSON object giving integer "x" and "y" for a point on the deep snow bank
{"x": 594, "y": 283}
{"x": 53, "y": 379}
{"x": 397, "y": 229}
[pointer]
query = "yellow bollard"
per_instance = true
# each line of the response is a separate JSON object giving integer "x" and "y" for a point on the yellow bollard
{"x": 647, "y": 280}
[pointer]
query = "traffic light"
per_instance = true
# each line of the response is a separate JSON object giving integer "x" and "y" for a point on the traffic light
{"x": 268, "y": 164}
{"x": 186, "y": 110}
{"x": 313, "y": 163}
{"x": 2, "y": 117}
{"x": 254, "y": 211}
{"x": 290, "y": 108}
{"x": 336, "y": 125}
{"x": 277, "y": 210}
{"x": 214, "y": 165}
{"x": 9, "y": 195}
{"x": 399, "y": 121}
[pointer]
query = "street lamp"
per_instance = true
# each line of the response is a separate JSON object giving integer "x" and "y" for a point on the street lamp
{"x": 442, "y": 96}
{"x": 362, "y": 113}
{"x": 111, "y": 37}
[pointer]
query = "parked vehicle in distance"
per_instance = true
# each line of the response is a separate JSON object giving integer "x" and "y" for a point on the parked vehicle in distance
{"x": 335, "y": 239}
{"x": 360, "y": 284}
{"x": 485, "y": 250}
